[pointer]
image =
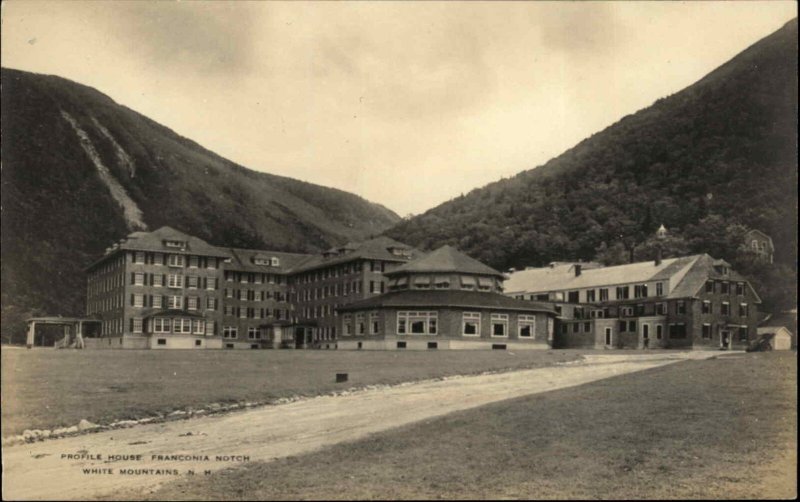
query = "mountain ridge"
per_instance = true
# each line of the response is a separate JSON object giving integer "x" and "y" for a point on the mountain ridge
{"x": 80, "y": 171}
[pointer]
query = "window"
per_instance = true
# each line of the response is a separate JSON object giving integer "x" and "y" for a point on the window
{"x": 417, "y": 323}
{"x": 626, "y": 311}
{"x": 211, "y": 303}
{"x": 724, "y": 287}
{"x": 576, "y": 327}
{"x": 661, "y": 308}
{"x": 707, "y": 308}
{"x": 243, "y": 312}
{"x": 374, "y": 324}
{"x": 175, "y": 302}
{"x": 230, "y": 332}
{"x": 632, "y": 326}
{"x": 677, "y": 330}
{"x": 175, "y": 260}
{"x": 138, "y": 279}
{"x": 191, "y": 303}
{"x": 587, "y": 327}
{"x": 471, "y": 323}
{"x": 603, "y": 294}
{"x": 193, "y": 261}
{"x": 198, "y": 326}
{"x": 158, "y": 280}
{"x": 709, "y": 286}
{"x": 740, "y": 289}
{"x": 572, "y": 297}
{"x": 623, "y": 292}
{"x": 726, "y": 308}
{"x": 640, "y": 291}
{"x": 160, "y": 325}
{"x": 191, "y": 281}
{"x": 253, "y": 333}
{"x": 158, "y": 302}
{"x": 500, "y": 324}
{"x": 743, "y": 333}
{"x": 422, "y": 282}
{"x": 590, "y": 295}
{"x": 175, "y": 281}
{"x": 138, "y": 301}
{"x": 659, "y": 332}
{"x": 162, "y": 341}
{"x": 707, "y": 331}
{"x": 210, "y": 328}
{"x": 181, "y": 325}
{"x": 485, "y": 283}
{"x": 526, "y": 326}
{"x": 659, "y": 289}
{"x": 360, "y": 325}
{"x": 442, "y": 282}
{"x": 680, "y": 307}
{"x": 136, "y": 325}
{"x": 743, "y": 310}
{"x": 467, "y": 282}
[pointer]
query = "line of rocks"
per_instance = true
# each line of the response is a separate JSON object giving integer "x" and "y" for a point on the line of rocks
{"x": 85, "y": 426}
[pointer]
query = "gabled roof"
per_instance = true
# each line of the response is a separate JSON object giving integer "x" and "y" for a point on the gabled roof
{"x": 787, "y": 320}
{"x": 415, "y": 298}
{"x": 378, "y": 248}
{"x": 244, "y": 260}
{"x": 749, "y": 235}
{"x": 445, "y": 259}
{"x": 562, "y": 277}
{"x": 702, "y": 270}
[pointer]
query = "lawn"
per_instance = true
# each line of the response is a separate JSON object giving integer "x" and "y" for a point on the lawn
{"x": 720, "y": 428}
{"x": 48, "y": 388}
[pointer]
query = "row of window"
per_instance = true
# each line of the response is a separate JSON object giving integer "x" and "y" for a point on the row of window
{"x": 177, "y": 325}
{"x": 334, "y": 290}
{"x": 254, "y": 313}
{"x": 232, "y": 332}
{"x": 724, "y": 287}
{"x": 725, "y": 308}
{"x": 174, "y": 281}
{"x": 707, "y": 332}
{"x": 174, "y": 260}
{"x": 177, "y": 302}
{"x": 255, "y": 295}
{"x": 97, "y": 284}
{"x": 466, "y": 282}
{"x": 254, "y": 278}
{"x": 339, "y": 270}
{"x": 319, "y": 311}
{"x": 427, "y": 323}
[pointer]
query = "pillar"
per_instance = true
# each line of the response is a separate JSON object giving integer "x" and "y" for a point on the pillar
{"x": 79, "y": 335}
{"x": 31, "y": 333}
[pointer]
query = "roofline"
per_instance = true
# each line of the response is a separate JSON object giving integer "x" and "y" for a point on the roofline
{"x": 399, "y": 272}
{"x": 345, "y": 259}
{"x": 355, "y": 306}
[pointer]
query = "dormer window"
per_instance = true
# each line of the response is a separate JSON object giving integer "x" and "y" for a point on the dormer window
{"x": 262, "y": 261}
{"x": 175, "y": 244}
{"x": 275, "y": 262}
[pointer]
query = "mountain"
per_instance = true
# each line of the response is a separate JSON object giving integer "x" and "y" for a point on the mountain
{"x": 80, "y": 171}
{"x": 722, "y": 150}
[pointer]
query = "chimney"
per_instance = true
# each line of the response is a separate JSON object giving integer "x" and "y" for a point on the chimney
{"x": 658, "y": 256}
{"x": 577, "y": 269}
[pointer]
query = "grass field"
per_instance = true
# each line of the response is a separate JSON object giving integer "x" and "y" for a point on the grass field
{"x": 720, "y": 428}
{"x": 47, "y": 388}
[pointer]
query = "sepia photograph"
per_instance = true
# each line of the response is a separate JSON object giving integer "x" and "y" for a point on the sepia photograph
{"x": 398, "y": 250}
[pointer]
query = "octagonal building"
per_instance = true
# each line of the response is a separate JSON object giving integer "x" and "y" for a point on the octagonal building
{"x": 445, "y": 300}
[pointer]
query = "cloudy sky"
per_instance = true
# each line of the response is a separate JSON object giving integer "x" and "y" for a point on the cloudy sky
{"x": 406, "y": 104}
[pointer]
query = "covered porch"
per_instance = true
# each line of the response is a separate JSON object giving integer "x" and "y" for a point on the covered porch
{"x": 75, "y": 330}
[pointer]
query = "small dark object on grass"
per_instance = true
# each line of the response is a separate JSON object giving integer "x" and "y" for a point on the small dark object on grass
{"x": 341, "y": 377}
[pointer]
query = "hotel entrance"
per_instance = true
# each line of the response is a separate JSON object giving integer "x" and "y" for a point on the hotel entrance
{"x": 725, "y": 339}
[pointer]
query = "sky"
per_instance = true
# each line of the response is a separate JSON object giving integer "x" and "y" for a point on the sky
{"x": 408, "y": 104}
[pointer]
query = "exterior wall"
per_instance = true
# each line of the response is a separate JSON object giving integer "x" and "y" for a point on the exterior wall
{"x": 720, "y": 322}
{"x": 242, "y": 311}
{"x": 184, "y": 342}
{"x": 449, "y": 330}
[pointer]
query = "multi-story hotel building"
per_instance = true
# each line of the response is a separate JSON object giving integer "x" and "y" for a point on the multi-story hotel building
{"x": 151, "y": 285}
{"x": 167, "y": 289}
{"x": 688, "y": 302}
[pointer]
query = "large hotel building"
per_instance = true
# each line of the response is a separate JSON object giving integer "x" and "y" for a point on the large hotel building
{"x": 166, "y": 289}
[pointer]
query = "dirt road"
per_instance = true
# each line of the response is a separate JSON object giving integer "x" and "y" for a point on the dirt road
{"x": 80, "y": 467}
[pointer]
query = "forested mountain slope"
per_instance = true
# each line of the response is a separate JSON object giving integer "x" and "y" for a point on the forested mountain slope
{"x": 721, "y": 152}
{"x": 80, "y": 171}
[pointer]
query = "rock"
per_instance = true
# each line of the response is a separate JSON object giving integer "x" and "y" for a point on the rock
{"x": 125, "y": 423}
{"x": 85, "y": 425}
{"x": 29, "y": 435}
{"x": 144, "y": 420}
{"x": 177, "y": 413}
{"x": 46, "y": 434}
{"x": 71, "y": 430}
{"x": 214, "y": 406}
{"x": 60, "y": 431}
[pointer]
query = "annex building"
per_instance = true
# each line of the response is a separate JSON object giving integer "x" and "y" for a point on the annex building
{"x": 445, "y": 300}
{"x": 688, "y": 302}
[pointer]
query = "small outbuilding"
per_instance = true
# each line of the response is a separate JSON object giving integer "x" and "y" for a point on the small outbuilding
{"x": 779, "y": 331}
